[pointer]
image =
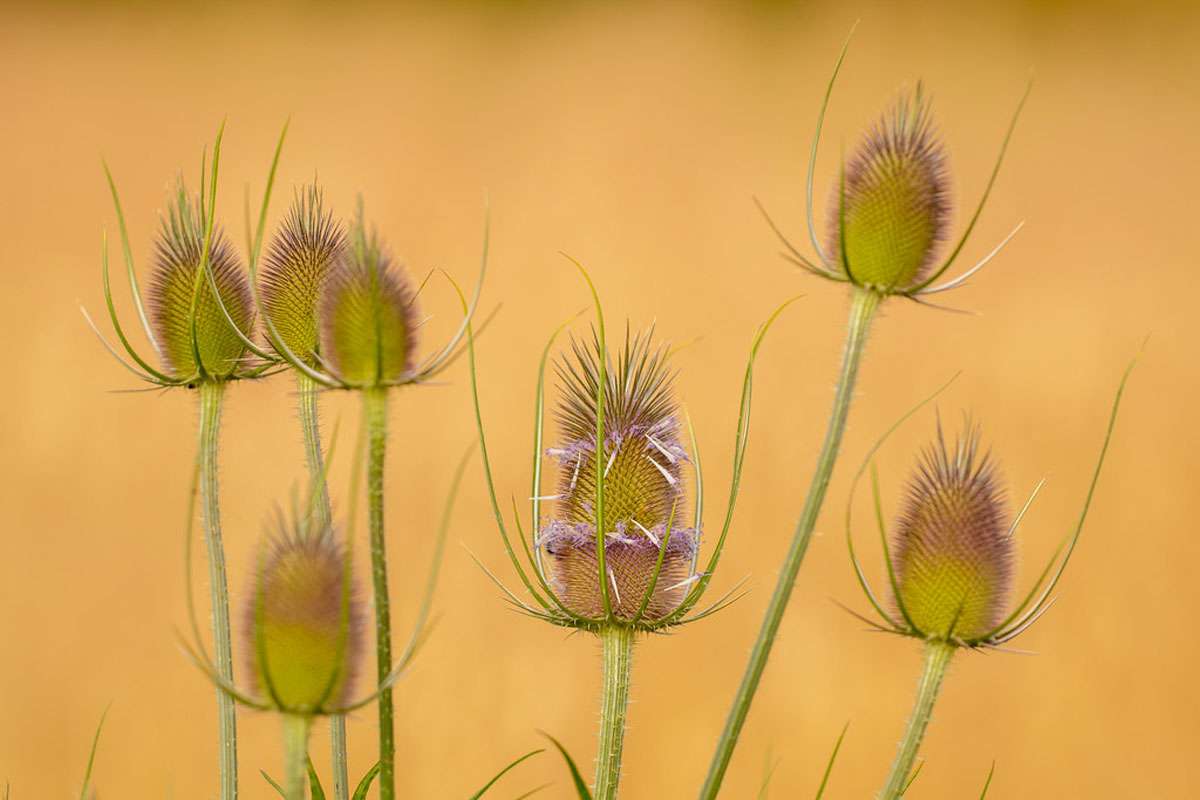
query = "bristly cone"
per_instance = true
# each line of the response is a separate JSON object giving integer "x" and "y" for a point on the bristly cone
{"x": 953, "y": 549}
{"x": 304, "y": 626}
{"x": 177, "y": 288}
{"x": 368, "y": 317}
{"x": 893, "y": 210}
{"x": 296, "y": 267}
{"x": 643, "y": 484}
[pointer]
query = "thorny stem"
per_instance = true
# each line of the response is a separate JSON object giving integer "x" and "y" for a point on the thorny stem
{"x": 864, "y": 303}
{"x": 375, "y": 410}
{"x": 307, "y": 402}
{"x": 937, "y": 658}
{"x": 295, "y": 755}
{"x": 211, "y": 393}
{"x": 614, "y": 708}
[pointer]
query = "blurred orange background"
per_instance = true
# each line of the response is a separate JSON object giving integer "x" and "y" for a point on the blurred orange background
{"x": 632, "y": 136}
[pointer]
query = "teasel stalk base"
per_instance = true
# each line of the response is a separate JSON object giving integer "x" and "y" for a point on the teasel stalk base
{"x": 617, "y": 642}
{"x": 211, "y": 394}
{"x": 937, "y": 658}
{"x": 375, "y": 411}
{"x": 308, "y": 393}
{"x": 295, "y": 756}
{"x": 864, "y": 304}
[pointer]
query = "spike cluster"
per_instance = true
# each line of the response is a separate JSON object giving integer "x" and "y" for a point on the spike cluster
{"x": 953, "y": 552}
{"x": 643, "y": 487}
{"x": 296, "y": 268}
{"x": 304, "y": 627}
{"x": 892, "y": 208}
{"x": 195, "y": 335}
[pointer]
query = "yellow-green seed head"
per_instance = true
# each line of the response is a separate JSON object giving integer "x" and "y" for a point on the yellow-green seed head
{"x": 891, "y": 211}
{"x": 368, "y": 318}
{"x": 953, "y": 551}
{"x": 304, "y": 639}
{"x": 296, "y": 268}
{"x": 642, "y": 460}
{"x": 182, "y": 302}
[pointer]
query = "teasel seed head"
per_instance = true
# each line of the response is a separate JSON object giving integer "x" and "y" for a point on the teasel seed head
{"x": 304, "y": 625}
{"x": 643, "y": 485}
{"x": 953, "y": 552}
{"x": 891, "y": 208}
{"x": 296, "y": 268}
{"x": 182, "y": 305}
{"x": 368, "y": 317}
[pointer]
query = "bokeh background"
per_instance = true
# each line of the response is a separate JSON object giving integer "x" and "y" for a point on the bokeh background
{"x": 632, "y": 136}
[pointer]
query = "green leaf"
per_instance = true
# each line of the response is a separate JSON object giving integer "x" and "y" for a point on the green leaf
{"x": 87, "y": 775}
{"x": 580, "y": 787}
{"x": 314, "y": 782}
{"x": 360, "y": 793}
{"x": 987, "y": 784}
{"x": 832, "y": 758}
{"x": 502, "y": 772}
{"x": 274, "y": 785}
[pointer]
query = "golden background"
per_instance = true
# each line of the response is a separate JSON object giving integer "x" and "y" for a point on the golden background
{"x": 633, "y": 137}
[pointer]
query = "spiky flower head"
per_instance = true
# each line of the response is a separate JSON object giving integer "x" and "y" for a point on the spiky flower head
{"x": 368, "y": 317}
{"x": 641, "y": 472}
{"x": 296, "y": 268}
{"x": 197, "y": 340}
{"x": 304, "y": 625}
{"x": 892, "y": 207}
{"x": 953, "y": 549}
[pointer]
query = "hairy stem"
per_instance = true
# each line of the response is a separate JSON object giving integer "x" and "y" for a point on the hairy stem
{"x": 614, "y": 708}
{"x": 295, "y": 756}
{"x": 937, "y": 658}
{"x": 864, "y": 303}
{"x": 322, "y": 514}
{"x": 211, "y": 393}
{"x": 375, "y": 409}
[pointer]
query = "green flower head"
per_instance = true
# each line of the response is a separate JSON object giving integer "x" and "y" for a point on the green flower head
{"x": 303, "y": 626}
{"x": 197, "y": 341}
{"x": 953, "y": 551}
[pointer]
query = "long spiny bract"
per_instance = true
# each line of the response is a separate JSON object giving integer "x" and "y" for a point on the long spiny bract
{"x": 368, "y": 317}
{"x": 296, "y": 267}
{"x": 953, "y": 553}
{"x": 186, "y": 317}
{"x": 891, "y": 211}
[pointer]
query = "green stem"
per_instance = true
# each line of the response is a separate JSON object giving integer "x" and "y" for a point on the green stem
{"x": 211, "y": 393}
{"x": 307, "y": 404}
{"x": 375, "y": 409}
{"x": 295, "y": 756}
{"x": 937, "y": 658}
{"x": 864, "y": 303}
{"x": 614, "y": 708}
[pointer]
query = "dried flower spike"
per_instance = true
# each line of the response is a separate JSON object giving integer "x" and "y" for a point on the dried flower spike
{"x": 296, "y": 268}
{"x": 304, "y": 627}
{"x": 953, "y": 553}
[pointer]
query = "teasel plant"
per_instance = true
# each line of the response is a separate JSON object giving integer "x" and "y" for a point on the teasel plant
{"x": 198, "y": 303}
{"x": 890, "y": 217}
{"x": 304, "y": 632}
{"x": 343, "y": 316}
{"x": 619, "y": 555}
{"x": 950, "y": 561}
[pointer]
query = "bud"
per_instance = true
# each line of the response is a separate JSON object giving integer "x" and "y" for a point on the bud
{"x": 892, "y": 209}
{"x": 954, "y": 552}
{"x": 296, "y": 268}
{"x": 368, "y": 318}
{"x": 641, "y": 469}
{"x": 304, "y": 631}
{"x": 181, "y": 298}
